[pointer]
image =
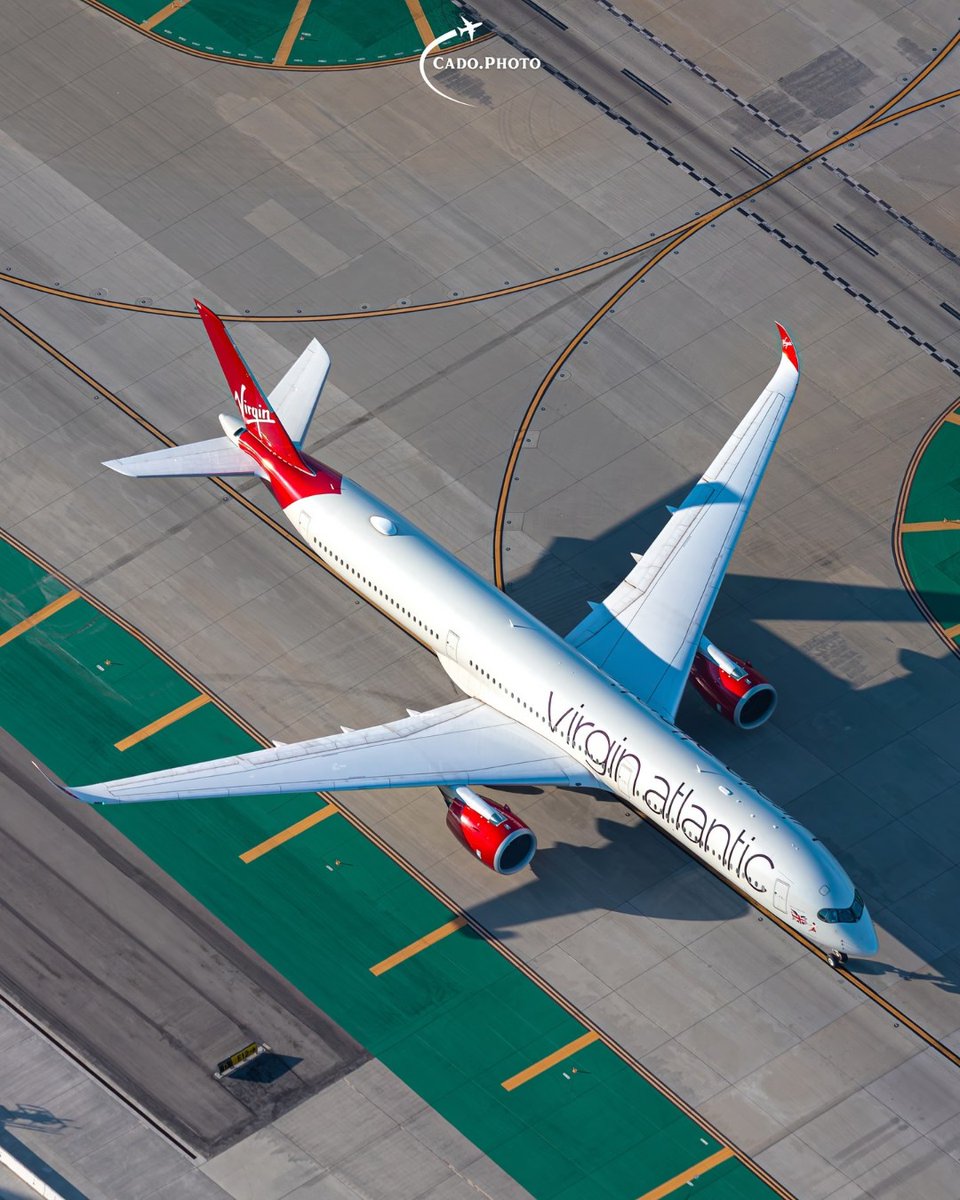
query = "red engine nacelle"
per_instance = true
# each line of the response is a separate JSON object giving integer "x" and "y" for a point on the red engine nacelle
{"x": 732, "y": 686}
{"x": 489, "y": 831}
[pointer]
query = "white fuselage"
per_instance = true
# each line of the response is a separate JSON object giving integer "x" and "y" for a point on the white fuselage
{"x": 498, "y": 653}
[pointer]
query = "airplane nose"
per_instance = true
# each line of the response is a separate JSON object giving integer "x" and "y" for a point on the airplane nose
{"x": 861, "y": 941}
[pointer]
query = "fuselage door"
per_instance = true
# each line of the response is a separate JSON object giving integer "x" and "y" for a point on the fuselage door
{"x": 303, "y": 520}
{"x": 453, "y": 644}
{"x": 781, "y": 890}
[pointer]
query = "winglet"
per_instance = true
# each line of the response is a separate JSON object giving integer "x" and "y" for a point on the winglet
{"x": 61, "y": 787}
{"x": 789, "y": 349}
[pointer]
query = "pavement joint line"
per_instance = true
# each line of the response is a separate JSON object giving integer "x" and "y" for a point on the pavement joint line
{"x": 420, "y": 20}
{"x": 508, "y": 954}
{"x": 170, "y": 718}
{"x": 414, "y": 948}
{"x": 847, "y": 178}
{"x": 648, "y": 1194}
{"x": 876, "y": 121}
{"x": 293, "y": 32}
{"x": 882, "y": 116}
{"x": 254, "y": 509}
{"x": 687, "y": 1177}
{"x": 167, "y": 11}
{"x": 62, "y": 1046}
{"x": 292, "y": 831}
{"x": 551, "y": 1060}
{"x": 39, "y": 616}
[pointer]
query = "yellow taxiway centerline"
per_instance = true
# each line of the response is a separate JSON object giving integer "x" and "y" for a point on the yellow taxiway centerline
{"x": 551, "y": 1060}
{"x": 291, "y": 831}
{"x": 429, "y": 939}
{"x": 170, "y": 718}
{"x": 293, "y": 32}
{"x": 167, "y": 11}
{"x": 39, "y": 616}
{"x": 685, "y": 1177}
{"x": 421, "y": 22}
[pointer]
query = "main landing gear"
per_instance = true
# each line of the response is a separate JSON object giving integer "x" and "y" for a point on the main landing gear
{"x": 836, "y": 958}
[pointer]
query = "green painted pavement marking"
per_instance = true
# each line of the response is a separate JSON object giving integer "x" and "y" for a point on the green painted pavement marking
{"x": 933, "y": 560}
{"x": 26, "y": 587}
{"x": 452, "y": 1022}
{"x": 935, "y": 490}
{"x": 932, "y": 556}
{"x": 333, "y": 32}
{"x": 232, "y": 28}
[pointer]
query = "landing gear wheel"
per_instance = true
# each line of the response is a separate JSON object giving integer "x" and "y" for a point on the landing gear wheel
{"x": 835, "y": 959}
{"x": 842, "y": 956}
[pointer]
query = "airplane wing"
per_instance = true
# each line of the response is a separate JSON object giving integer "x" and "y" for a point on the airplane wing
{"x": 646, "y": 632}
{"x": 462, "y": 743}
{"x": 296, "y": 395}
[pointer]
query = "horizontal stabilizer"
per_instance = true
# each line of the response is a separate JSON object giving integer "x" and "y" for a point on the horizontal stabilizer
{"x": 217, "y": 456}
{"x": 295, "y": 396}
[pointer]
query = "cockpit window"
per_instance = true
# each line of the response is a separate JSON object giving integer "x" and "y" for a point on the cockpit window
{"x": 843, "y": 916}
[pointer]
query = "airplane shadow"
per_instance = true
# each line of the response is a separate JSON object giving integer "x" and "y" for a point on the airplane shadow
{"x": 877, "y": 969}
{"x": 838, "y": 753}
{"x": 31, "y": 1116}
{"x": 28, "y": 1116}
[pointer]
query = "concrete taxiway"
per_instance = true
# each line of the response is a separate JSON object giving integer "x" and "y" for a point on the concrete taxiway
{"x": 138, "y": 173}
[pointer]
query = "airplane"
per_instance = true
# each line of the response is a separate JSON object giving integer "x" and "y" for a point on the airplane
{"x": 595, "y": 709}
{"x": 469, "y": 28}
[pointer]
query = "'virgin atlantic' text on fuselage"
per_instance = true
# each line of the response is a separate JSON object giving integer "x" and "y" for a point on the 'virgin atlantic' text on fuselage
{"x": 610, "y": 758}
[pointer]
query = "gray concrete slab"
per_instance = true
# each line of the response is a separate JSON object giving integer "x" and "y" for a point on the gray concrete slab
{"x": 106, "y": 924}
{"x": 56, "y": 1116}
{"x": 12, "y": 1186}
{"x": 330, "y": 192}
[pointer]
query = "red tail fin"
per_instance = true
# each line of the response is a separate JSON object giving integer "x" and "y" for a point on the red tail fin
{"x": 255, "y": 410}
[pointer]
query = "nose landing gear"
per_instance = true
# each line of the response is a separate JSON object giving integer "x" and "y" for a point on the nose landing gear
{"x": 836, "y": 958}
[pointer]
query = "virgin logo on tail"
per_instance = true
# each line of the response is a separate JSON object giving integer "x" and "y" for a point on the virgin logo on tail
{"x": 254, "y": 414}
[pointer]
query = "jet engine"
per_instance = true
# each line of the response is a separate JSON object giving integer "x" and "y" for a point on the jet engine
{"x": 489, "y": 831}
{"x": 732, "y": 686}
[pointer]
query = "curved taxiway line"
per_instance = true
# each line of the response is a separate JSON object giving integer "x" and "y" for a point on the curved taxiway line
{"x": 905, "y": 1020}
{"x": 509, "y": 289}
{"x": 881, "y": 117}
{"x": 154, "y": 431}
{"x": 900, "y": 529}
{"x": 299, "y": 318}
{"x": 876, "y": 119}
{"x": 245, "y": 62}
